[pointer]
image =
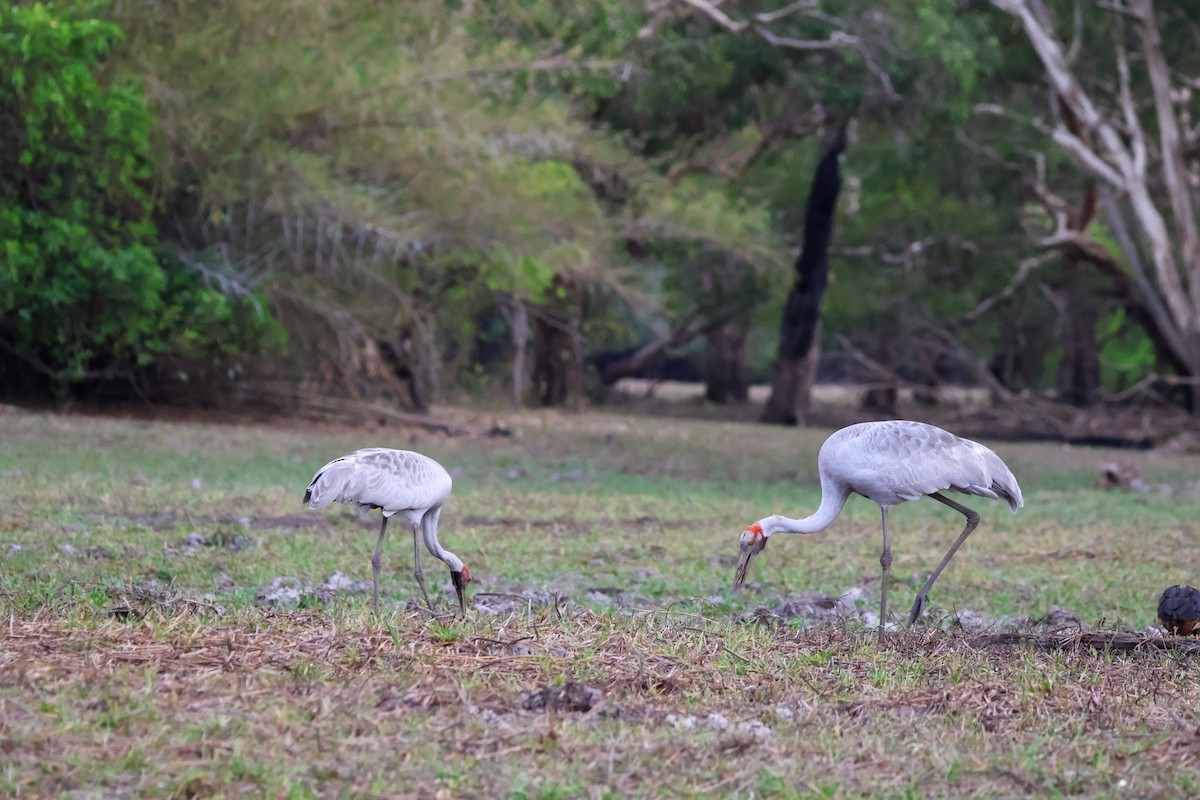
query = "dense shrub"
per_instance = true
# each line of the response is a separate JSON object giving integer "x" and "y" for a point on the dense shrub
{"x": 85, "y": 289}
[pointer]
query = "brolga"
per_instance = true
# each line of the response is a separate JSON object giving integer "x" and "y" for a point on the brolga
{"x": 891, "y": 462}
{"x": 398, "y": 482}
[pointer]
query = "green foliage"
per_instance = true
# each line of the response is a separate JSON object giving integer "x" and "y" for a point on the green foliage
{"x": 82, "y": 290}
{"x": 414, "y": 167}
{"x": 1127, "y": 354}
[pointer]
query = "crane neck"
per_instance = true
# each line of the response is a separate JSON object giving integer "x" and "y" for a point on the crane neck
{"x": 833, "y": 498}
{"x": 429, "y": 534}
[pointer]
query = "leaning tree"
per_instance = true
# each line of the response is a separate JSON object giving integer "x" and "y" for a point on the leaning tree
{"x": 1122, "y": 107}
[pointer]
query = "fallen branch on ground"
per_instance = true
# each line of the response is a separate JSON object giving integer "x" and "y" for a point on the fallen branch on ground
{"x": 1099, "y": 640}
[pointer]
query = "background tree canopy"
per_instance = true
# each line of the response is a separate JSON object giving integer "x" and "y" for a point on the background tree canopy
{"x": 87, "y": 291}
{"x": 281, "y": 201}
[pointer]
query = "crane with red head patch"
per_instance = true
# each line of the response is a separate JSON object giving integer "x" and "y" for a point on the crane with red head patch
{"x": 753, "y": 543}
{"x": 892, "y": 462}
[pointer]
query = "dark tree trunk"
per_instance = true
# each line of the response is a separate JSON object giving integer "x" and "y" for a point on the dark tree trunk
{"x": 558, "y": 359}
{"x": 796, "y": 378}
{"x": 791, "y": 379}
{"x": 726, "y": 374}
{"x": 1079, "y": 369}
{"x": 398, "y": 352}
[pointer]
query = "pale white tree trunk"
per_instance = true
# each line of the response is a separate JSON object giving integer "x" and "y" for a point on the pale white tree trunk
{"x": 1115, "y": 151}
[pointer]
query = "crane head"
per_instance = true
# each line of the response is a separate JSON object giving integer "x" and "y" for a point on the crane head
{"x": 460, "y": 580}
{"x": 753, "y": 543}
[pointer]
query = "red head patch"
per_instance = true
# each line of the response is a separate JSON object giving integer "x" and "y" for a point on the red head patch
{"x": 466, "y": 574}
{"x": 755, "y": 529}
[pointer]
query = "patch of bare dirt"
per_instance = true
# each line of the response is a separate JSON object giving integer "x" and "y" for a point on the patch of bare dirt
{"x": 168, "y": 519}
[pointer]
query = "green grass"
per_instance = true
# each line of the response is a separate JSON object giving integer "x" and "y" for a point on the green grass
{"x": 132, "y": 668}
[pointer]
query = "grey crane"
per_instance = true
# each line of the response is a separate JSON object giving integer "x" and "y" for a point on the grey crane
{"x": 891, "y": 462}
{"x": 396, "y": 482}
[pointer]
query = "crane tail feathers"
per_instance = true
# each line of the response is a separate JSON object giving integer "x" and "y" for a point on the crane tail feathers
{"x": 1004, "y": 483}
{"x": 339, "y": 481}
{"x": 323, "y": 491}
{"x": 1010, "y": 492}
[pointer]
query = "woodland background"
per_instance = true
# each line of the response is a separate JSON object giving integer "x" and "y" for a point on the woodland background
{"x": 297, "y": 205}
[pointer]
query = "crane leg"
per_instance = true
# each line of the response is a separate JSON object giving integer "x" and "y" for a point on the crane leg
{"x": 417, "y": 573}
{"x": 885, "y": 561}
{"x": 972, "y": 521}
{"x": 376, "y": 563}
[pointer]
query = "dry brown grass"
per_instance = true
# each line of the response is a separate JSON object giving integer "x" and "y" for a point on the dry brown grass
{"x": 335, "y": 705}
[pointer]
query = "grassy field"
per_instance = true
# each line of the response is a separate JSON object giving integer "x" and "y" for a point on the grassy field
{"x": 172, "y": 624}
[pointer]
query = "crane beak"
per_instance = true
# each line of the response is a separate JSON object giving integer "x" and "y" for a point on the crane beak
{"x": 749, "y": 551}
{"x": 460, "y": 586}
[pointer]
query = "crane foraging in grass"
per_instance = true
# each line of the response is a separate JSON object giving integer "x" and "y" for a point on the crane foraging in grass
{"x": 396, "y": 482}
{"x": 891, "y": 462}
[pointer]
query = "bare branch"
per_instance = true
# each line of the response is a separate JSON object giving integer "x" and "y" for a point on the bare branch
{"x": 661, "y": 12}
{"x": 788, "y": 125}
{"x": 873, "y": 367}
{"x": 799, "y": 5}
{"x": 1119, "y": 8}
{"x": 717, "y": 15}
{"x": 684, "y": 332}
{"x": 988, "y": 303}
{"x": 1174, "y": 168}
{"x": 1076, "y": 33}
{"x": 1145, "y": 289}
{"x": 1086, "y": 157}
{"x": 1185, "y": 310}
{"x": 977, "y": 365}
{"x": 1133, "y": 125}
{"x": 836, "y": 39}
{"x": 1051, "y": 55}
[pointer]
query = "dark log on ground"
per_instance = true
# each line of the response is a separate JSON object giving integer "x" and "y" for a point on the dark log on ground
{"x": 316, "y": 405}
{"x": 1100, "y": 640}
{"x": 1115, "y": 442}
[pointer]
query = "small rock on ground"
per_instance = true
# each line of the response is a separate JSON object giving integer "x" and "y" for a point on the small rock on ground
{"x": 571, "y": 696}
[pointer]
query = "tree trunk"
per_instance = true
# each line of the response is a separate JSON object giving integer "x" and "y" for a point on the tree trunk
{"x": 558, "y": 360}
{"x": 795, "y": 379}
{"x": 397, "y": 352}
{"x": 928, "y": 383}
{"x": 519, "y": 325}
{"x": 883, "y": 396}
{"x": 726, "y": 373}
{"x": 1117, "y": 152}
{"x": 792, "y": 376}
{"x": 1079, "y": 369}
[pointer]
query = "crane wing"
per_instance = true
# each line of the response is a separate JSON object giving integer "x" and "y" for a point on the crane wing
{"x": 378, "y": 477}
{"x": 891, "y": 462}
